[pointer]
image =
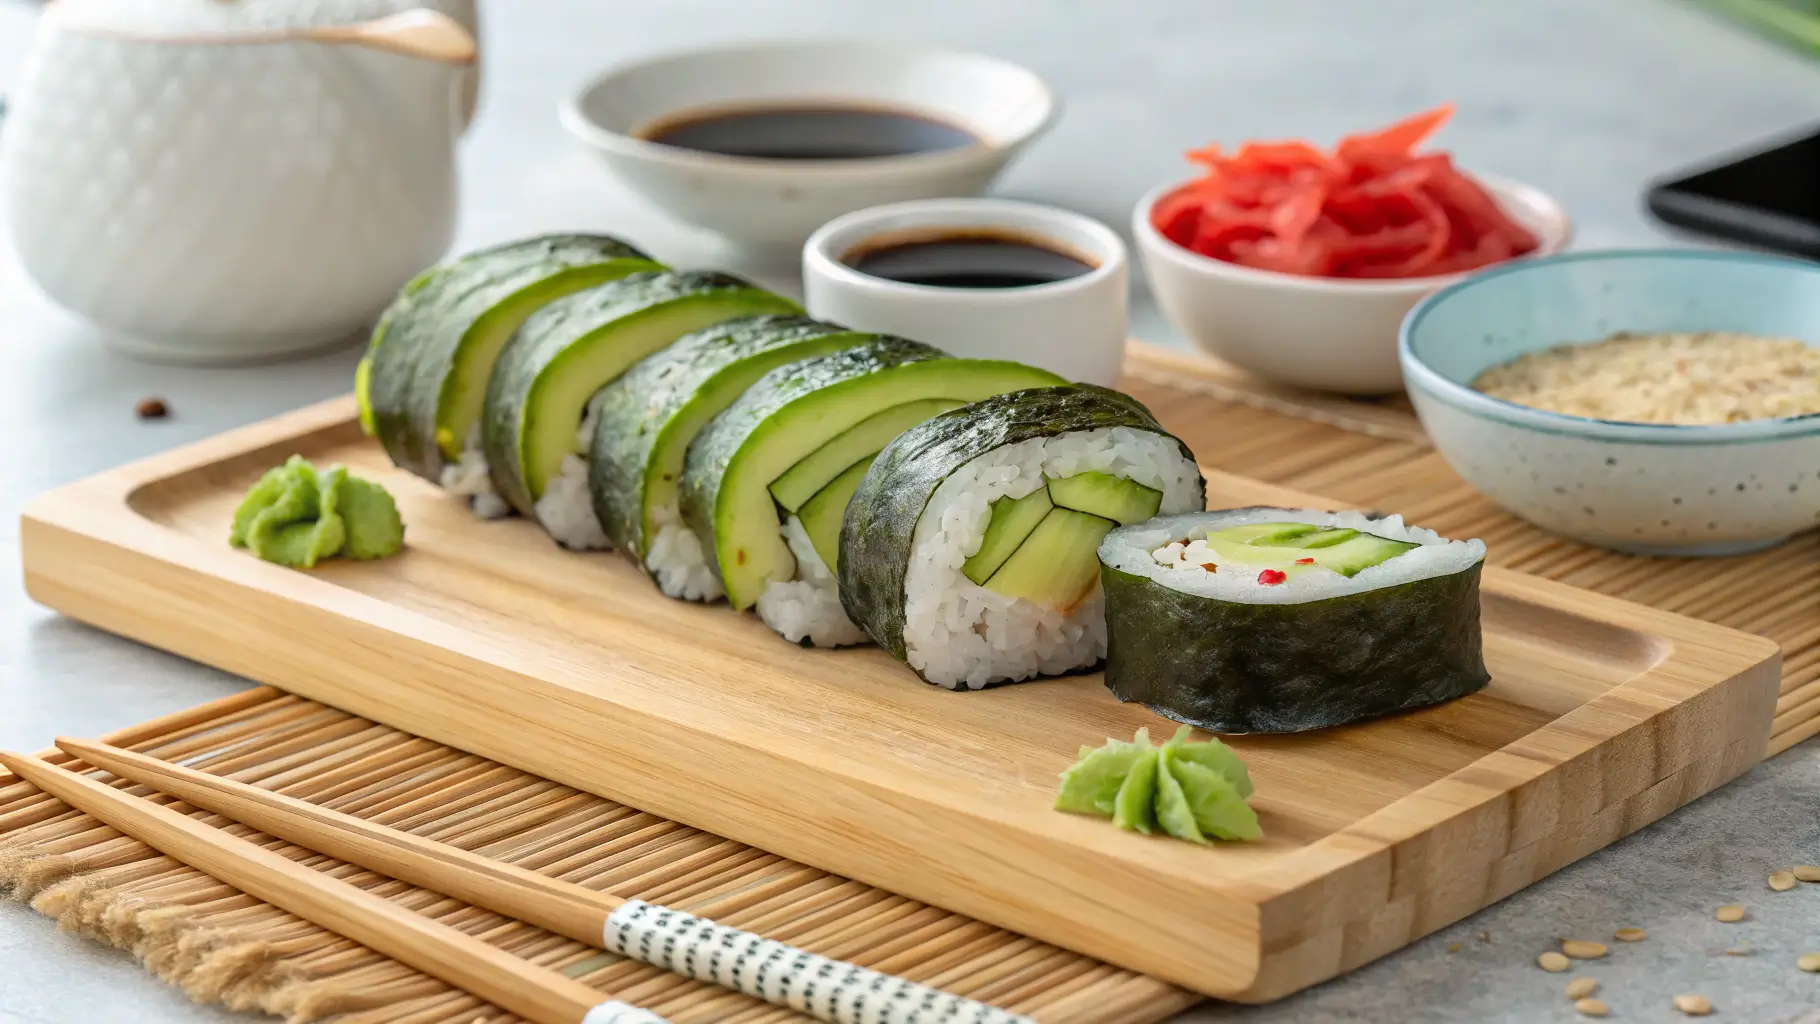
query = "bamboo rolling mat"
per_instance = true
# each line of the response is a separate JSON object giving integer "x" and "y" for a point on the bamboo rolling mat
{"x": 224, "y": 947}
{"x": 1373, "y": 455}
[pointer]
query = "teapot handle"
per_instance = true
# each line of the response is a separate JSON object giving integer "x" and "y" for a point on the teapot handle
{"x": 420, "y": 33}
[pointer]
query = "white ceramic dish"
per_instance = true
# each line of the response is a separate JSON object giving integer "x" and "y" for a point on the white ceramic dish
{"x": 208, "y": 199}
{"x": 769, "y": 204}
{"x": 1074, "y": 327}
{"x": 1657, "y": 489}
{"x": 1324, "y": 334}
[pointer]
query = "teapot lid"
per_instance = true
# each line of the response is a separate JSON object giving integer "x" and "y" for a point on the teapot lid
{"x": 208, "y": 17}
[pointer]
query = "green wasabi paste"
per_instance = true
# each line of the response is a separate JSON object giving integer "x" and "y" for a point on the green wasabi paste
{"x": 297, "y": 516}
{"x": 1192, "y": 791}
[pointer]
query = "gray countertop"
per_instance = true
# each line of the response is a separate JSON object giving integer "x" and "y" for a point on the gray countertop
{"x": 1584, "y": 99}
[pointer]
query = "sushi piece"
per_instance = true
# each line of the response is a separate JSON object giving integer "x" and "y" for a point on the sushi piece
{"x": 424, "y": 377}
{"x": 1282, "y": 620}
{"x": 766, "y": 482}
{"x": 540, "y": 403}
{"x": 969, "y": 551}
{"x": 647, "y": 418}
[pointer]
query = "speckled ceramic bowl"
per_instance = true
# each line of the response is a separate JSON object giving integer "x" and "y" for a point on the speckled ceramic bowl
{"x": 1642, "y": 488}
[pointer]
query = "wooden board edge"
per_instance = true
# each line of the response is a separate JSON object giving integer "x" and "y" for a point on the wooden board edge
{"x": 445, "y": 704}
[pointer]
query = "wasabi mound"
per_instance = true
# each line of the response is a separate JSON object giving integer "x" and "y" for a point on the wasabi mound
{"x": 1192, "y": 791}
{"x": 296, "y": 516}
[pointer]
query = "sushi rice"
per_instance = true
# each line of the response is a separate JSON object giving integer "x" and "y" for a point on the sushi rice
{"x": 1172, "y": 552}
{"x": 566, "y": 510}
{"x": 470, "y": 477}
{"x": 807, "y": 610}
{"x": 678, "y": 560}
{"x": 961, "y": 635}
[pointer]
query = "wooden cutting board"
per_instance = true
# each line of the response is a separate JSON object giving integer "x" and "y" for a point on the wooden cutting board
{"x": 1602, "y": 716}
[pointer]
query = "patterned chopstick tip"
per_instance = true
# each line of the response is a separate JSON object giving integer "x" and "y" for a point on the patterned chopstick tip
{"x": 783, "y": 975}
{"x": 615, "y": 1012}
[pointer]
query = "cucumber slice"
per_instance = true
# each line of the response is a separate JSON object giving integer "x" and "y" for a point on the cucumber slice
{"x": 575, "y": 346}
{"x": 433, "y": 352}
{"x": 1317, "y": 539}
{"x": 1013, "y": 520}
{"x": 1349, "y": 557}
{"x": 805, "y": 479}
{"x": 1059, "y": 563}
{"x": 1107, "y": 496}
{"x": 793, "y": 411}
{"x": 1267, "y": 534}
{"x": 821, "y": 515}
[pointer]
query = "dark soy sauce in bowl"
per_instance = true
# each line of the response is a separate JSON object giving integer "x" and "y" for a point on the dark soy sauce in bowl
{"x": 967, "y": 258}
{"x": 808, "y": 133}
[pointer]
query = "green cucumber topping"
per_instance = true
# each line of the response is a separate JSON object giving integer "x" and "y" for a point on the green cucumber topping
{"x": 1058, "y": 564}
{"x": 1011, "y": 523}
{"x": 1295, "y": 547}
{"x": 1109, "y": 497}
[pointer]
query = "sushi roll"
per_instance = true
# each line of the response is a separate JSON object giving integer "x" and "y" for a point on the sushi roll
{"x": 969, "y": 551}
{"x": 1278, "y": 620}
{"x": 766, "y": 483}
{"x": 421, "y": 384}
{"x": 647, "y": 418}
{"x": 542, "y": 397}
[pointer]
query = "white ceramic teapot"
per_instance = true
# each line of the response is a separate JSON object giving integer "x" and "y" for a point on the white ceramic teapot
{"x": 215, "y": 181}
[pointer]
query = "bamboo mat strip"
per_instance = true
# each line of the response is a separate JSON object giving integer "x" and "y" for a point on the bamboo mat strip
{"x": 223, "y": 947}
{"x": 1373, "y": 455}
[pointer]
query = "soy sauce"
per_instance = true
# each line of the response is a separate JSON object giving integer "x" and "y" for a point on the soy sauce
{"x": 959, "y": 258}
{"x": 808, "y": 133}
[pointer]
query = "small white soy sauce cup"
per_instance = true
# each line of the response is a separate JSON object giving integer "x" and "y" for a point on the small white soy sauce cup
{"x": 1073, "y": 326}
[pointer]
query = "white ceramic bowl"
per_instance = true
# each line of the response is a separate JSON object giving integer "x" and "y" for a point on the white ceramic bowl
{"x": 1657, "y": 489}
{"x": 1325, "y": 334}
{"x": 768, "y": 204}
{"x": 1074, "y": 327}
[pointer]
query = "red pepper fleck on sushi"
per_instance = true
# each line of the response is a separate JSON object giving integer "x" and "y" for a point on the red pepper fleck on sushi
{"x": 1209, "y": 566}
{"x": 1304, "y": 561}
{"x": 1272, "y": 577}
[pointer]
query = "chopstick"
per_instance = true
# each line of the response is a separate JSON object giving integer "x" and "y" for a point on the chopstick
{"x": 509, "y": 982}
{"x": 828, "y": 990}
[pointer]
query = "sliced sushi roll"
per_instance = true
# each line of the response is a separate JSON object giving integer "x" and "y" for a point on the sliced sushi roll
{"x": 540, "y": 402}
{"x": 1283, "y": 620}
{"x": 766, "y": 483}
{"x": 646, "y": 419}
{"x": 969, "y": 550}
{"x": 424, "y": 378}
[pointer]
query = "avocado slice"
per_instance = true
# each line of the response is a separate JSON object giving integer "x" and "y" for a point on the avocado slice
{"x": 575, "y": 346}
{"x": 1013, "y": 520}
{"x": 1350, "y": 554}
{"x": 424, "y": 377}
{"x": 649, "y": 415}
{"x": 821, "y": 515}
{"x": 1107, "y": 496}
{"x": 868, "y": 437}
{"x": 1058, "y": 564}
{"x": 791, "y": 412}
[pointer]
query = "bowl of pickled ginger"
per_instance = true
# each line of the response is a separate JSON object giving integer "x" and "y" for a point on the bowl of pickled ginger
{"x": 1298, "y": 263}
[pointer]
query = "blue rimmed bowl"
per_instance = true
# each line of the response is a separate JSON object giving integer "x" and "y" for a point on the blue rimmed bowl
{"x": 1642, "y": 488}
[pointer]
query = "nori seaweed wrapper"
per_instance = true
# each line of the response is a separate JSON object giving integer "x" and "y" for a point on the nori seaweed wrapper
{"x": 879, "y": 531}
{"x": 1232, "y": 667}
